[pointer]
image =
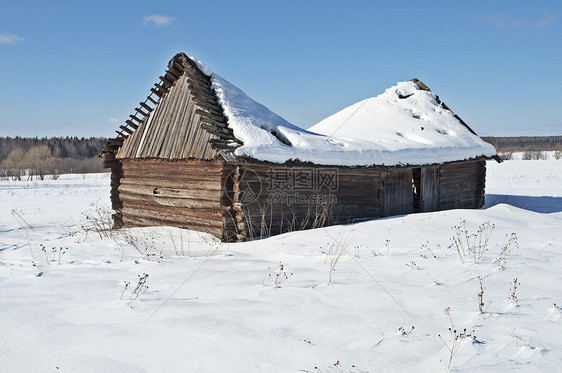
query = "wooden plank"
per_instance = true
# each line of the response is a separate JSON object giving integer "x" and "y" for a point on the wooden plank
{"x": 170, "y": 192}
{"x": 126, "y": 129}
{"x": 134, "y": 220}
{"x": 396, "y": 192}
{"x": 146, "y": 107}
{"x": 140, "y": 199}
{"x": 131, "y": 124}
{"x": 174, "y": 183}
{"x": 161, "y": 88}
{"x": 429, "y": 189}
{"x": 149, "y": 213}
{"x": 149, "y": 98}
{"x": 158, "y": 93}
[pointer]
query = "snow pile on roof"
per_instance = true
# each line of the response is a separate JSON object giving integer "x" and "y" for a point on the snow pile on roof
{"x": 405, "y": 125}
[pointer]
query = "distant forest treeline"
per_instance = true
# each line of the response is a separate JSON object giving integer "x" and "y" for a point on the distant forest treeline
{"x": 525, "y": 143}
{"x": 61, "y": 147}
{"x": 22, "y": 157}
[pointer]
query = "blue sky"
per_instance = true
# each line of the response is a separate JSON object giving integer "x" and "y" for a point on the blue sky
{"x": 72, "y": 68}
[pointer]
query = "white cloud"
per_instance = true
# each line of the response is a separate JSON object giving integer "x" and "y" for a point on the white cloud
{"x": 505, "y": 21}
{"x": 113, "y": 120}
{"x": 10, "y": 38}
{"x": 500, "y": 21}
{"x": 157, "y": 20}
{"x": 547, "y": 19}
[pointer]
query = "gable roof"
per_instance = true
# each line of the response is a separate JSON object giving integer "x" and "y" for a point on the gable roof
{"x": 185, "y": 121}
{"x": 194, "y": 113}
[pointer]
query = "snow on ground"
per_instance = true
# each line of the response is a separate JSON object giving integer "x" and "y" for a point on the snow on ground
{"x": 404, "y": 125}
{"x": 213, "y": 307}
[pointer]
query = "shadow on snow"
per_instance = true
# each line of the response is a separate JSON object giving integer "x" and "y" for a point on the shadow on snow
{"x": 537, "y": 204}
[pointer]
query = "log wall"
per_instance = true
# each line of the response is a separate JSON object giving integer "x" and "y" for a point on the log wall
{"x": 239, "y": 201}
{"x": 185, "y": 194}
{"x": 271, "y": 199}
{"x": 461, "y": 185}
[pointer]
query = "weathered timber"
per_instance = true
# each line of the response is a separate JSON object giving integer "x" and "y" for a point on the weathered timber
{"x": 131, "y": 124}
{"x": 145, "y": 106}
{"x": 214, "y": 186}
{"x": 157, "y": 92}
{"x": 149, "y": 98}
{"x": 129, "y": 131}
{"x": 161, "y": 88}
{"x": 135, "y": 118}
{"x": 167, "y": 81}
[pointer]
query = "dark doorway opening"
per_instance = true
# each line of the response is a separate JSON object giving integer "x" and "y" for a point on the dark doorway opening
{"x": 416, "y": 189}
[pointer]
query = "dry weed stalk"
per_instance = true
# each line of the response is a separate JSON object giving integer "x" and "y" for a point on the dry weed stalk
{"x": 471, "y": 246}
{"x": 457, "y": 337}
{"x": 480, "y": 295}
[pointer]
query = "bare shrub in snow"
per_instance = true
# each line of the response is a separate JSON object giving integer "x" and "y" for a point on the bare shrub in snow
{"x": 334, "y": 367}
{"x": 456, "y": 338}
{"x": 527, "y": 156}
{"x": 557, "y": 154}
{"x": 480, "y": 295}
{"x": 510, "y": 242}
{"x": 54, "y": 254}
{"x": 412, "y": 265}
{"x": 471, "y": 246}
{"x": 143, "y": 243}
{"x": 404, "y": 333}
{"x": 98, "y": 220}
{"x": 182, "y": 250}
{"x": 425, "y": 246}
{"x": 514, "y": 284}
{"x": 278, "y": 277}
{"x": 140, "y": 287}
{"x": 336, "y": 249}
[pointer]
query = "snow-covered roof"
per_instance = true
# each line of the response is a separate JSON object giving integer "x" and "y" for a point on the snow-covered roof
{"x": 406, "y": 125}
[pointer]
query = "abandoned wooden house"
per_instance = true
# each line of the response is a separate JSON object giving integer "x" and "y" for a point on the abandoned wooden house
{"x": 199, "y": 154}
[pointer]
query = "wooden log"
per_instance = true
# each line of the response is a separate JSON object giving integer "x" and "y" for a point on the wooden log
{"x": 161, "y": 88}
{"x": 207, "y": 105}
{"x": 179, "y": 66}
{"x": 134, "y": 220}
{"x": 121, "y": 134}
{"x": 138, "y": 110}
{"x": 173, "y": 73}
{"x": 172, "y": 216}
{"x": 166, "y": 183}
{"x": 178, "y": 177}
{"x": 184, "y": 164}
{"x": 206, "y": 114}
{"x": 131, "y": 124}
{"x": 126, "y": 129}
{"x": 171, "y": 202}
{"x": 181, "y": 208}
{"x": 145, "y": 106}
{"x": 157, "y": 92}
{"x": 135, "y": 118}
{"x": 201, "y": 87}
{"x": 149, "y": 98}
{"x": 202, "y": 94}
{"x": 170, "y": 192}
{"x": 167, "y": 81}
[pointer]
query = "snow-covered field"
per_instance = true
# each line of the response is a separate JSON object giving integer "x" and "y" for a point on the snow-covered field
{"x": 213, "y": 307}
